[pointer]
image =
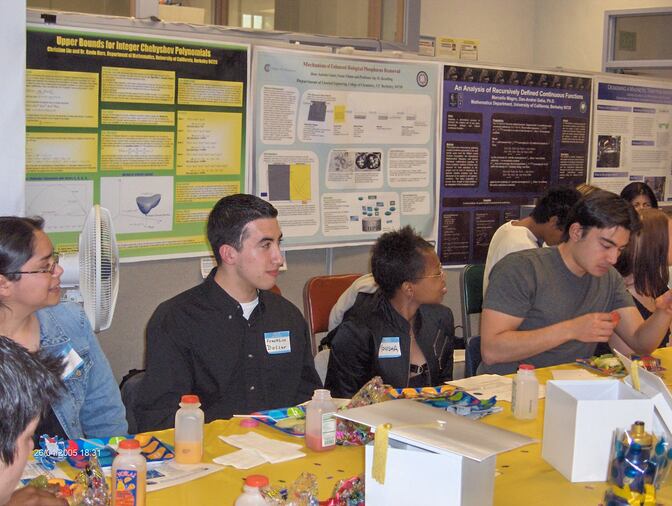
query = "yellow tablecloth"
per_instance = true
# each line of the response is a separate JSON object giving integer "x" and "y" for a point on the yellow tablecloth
{"x": 523, "y": 476}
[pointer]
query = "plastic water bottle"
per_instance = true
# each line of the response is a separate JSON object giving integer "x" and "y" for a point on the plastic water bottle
{"x": 189, "y": 421}
{"x": 129, "y": 475}
{"x": 525, "y": 393}
{"x": 251, "y": 495}
{"x": 320, "y": 422}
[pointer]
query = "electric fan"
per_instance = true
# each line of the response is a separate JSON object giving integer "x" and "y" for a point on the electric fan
{"x": 94, "y": 269}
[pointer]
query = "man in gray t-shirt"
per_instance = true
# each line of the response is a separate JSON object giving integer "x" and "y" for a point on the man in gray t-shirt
{"x": 553, "y": 305}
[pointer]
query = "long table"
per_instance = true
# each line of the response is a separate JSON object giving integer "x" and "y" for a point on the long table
{"x": 523, "y": 477}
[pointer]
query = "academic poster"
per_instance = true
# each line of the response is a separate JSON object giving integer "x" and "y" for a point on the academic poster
{"x": 153, "y": 129}
{"x": 506, "y": 136}
{"x": 344, "y": 147}
{"x": 632, "y": 121}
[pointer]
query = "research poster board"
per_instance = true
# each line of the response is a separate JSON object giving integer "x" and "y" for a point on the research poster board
{"x": 506, "y": 135}
{"x": 153, "y": 129}
{"x": 344, "y": 147}
{"x": 632, "y": 123}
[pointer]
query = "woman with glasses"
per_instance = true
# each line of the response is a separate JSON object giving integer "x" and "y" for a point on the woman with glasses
{"x": 32, "y": 315}
{"x": 401, "y": 332}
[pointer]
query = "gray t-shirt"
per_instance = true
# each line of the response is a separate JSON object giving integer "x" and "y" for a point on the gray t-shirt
{"x": 537, "y": 285}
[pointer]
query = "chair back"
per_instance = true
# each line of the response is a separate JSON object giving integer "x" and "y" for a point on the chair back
{"x": 471, "y": 294}
{"x": 129, "y": 394}
{"x": 320, "y": 293}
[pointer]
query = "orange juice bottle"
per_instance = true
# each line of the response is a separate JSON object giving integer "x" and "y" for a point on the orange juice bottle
{"x": 189, "y": 421}
{"x": 129, "y": 475}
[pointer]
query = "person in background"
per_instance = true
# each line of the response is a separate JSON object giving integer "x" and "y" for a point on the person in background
{"x": 640, "y": 195}
{"x": 238, "y": 346}
{"x": 644, "y": 266}
{"x": 31, "y": 313}
{"x": 400, "y": 332}
{"x": 550, "y": 306}
{"x": 28, "y": 383}
{"x": 545, "y": 225}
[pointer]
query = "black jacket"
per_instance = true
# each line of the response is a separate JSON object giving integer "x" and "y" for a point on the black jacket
{"x": 355, "y": 344}
{"x": 199, "y": 343}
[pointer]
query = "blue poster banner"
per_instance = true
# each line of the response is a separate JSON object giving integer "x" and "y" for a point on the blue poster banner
{"x": 506, "y": 136}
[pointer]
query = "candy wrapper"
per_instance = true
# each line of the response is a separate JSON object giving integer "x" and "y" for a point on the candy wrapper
{"x": 449, "y": 398}
{"x": 347, "y": 493}
{"x": 639, "y": 466}
{"x": 352, "y": 434}
{"x": 303, "y": 492}
{"x": 71, "y": 491}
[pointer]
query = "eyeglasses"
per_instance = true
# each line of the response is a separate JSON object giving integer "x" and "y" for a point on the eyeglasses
{"x": 47, "y": 270}
{"x": 441, "y": 274}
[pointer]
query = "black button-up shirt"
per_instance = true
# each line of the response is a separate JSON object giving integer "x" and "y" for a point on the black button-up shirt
{"x": 199, "y": 343}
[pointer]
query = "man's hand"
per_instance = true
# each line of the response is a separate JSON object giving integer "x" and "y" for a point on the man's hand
{"x": 594, "y": 327}
{"x": 31, "y": 496}
{"x": 664, "y": 302}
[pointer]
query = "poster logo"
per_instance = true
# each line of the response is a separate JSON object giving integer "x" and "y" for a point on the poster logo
{"x": 422, "y": 78}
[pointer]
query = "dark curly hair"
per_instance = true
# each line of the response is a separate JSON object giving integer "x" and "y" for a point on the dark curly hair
{"x": 397, "y": 257}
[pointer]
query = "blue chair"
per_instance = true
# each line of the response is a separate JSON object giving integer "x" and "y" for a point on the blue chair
{"x": 471, "y": 297}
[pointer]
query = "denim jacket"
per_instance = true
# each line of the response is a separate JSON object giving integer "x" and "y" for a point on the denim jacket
{"x": 91, "y": 403}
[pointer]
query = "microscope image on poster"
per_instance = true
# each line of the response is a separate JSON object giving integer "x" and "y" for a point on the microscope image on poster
{"x": 608, "y": 151}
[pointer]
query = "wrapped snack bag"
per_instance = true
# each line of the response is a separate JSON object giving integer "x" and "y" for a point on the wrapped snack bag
{"x": 639, "y": 466}
{"x": 352, "y": 434}
{"x": 347, "y": 493}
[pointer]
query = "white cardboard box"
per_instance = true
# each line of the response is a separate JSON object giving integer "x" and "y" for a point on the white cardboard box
{"x": 579, "y": 422}
{"x": 434, "y": 457}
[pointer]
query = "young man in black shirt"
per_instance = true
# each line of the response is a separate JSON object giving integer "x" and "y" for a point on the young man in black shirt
{"x": 238, "y": 346}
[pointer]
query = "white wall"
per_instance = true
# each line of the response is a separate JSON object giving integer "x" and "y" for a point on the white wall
{"x": 570, "y": 33}
{"x": 12, "y": 110}
{"x": 540, "y": 33}
{"x": 505, "y": 28}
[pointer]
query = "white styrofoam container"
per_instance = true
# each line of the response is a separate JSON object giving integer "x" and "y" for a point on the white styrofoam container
{"x": 579, "y": 422}
{"x": 434, "y": 457}
{"x": 418, "y": 476}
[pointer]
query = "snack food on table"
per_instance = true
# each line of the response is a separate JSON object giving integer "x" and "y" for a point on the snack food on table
{"x": 605, "y": 364}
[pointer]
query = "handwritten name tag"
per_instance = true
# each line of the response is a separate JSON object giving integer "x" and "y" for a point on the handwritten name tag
{"x": 72, "y": 361}
{"x": 277, "y": 342}
{"x": 389, "y": 348}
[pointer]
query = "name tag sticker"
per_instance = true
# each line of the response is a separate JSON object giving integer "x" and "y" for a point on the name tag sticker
{"x": 277, "y": 342}
{"x": 72, "y": 361}
{"x": 389, "y": 348}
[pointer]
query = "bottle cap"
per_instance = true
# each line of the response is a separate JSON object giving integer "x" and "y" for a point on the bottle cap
{"x": 190, "y": 399}
{"x": 526, "y": 367}
{"x": 129, "y": 444}
{"x": 321, "y": 393}
{"x": 639, "y": 436}
{"x": 256, "y": 480}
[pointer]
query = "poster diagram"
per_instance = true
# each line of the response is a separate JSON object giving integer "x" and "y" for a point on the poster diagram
{"x": 154, "y": 129}
{"x": 506, "y": 136}
{"x": 138, "y": 204}
{"x": 63, "y": 204}
{"x": 345, "y": 146}
{"x": 632, "y": 133}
